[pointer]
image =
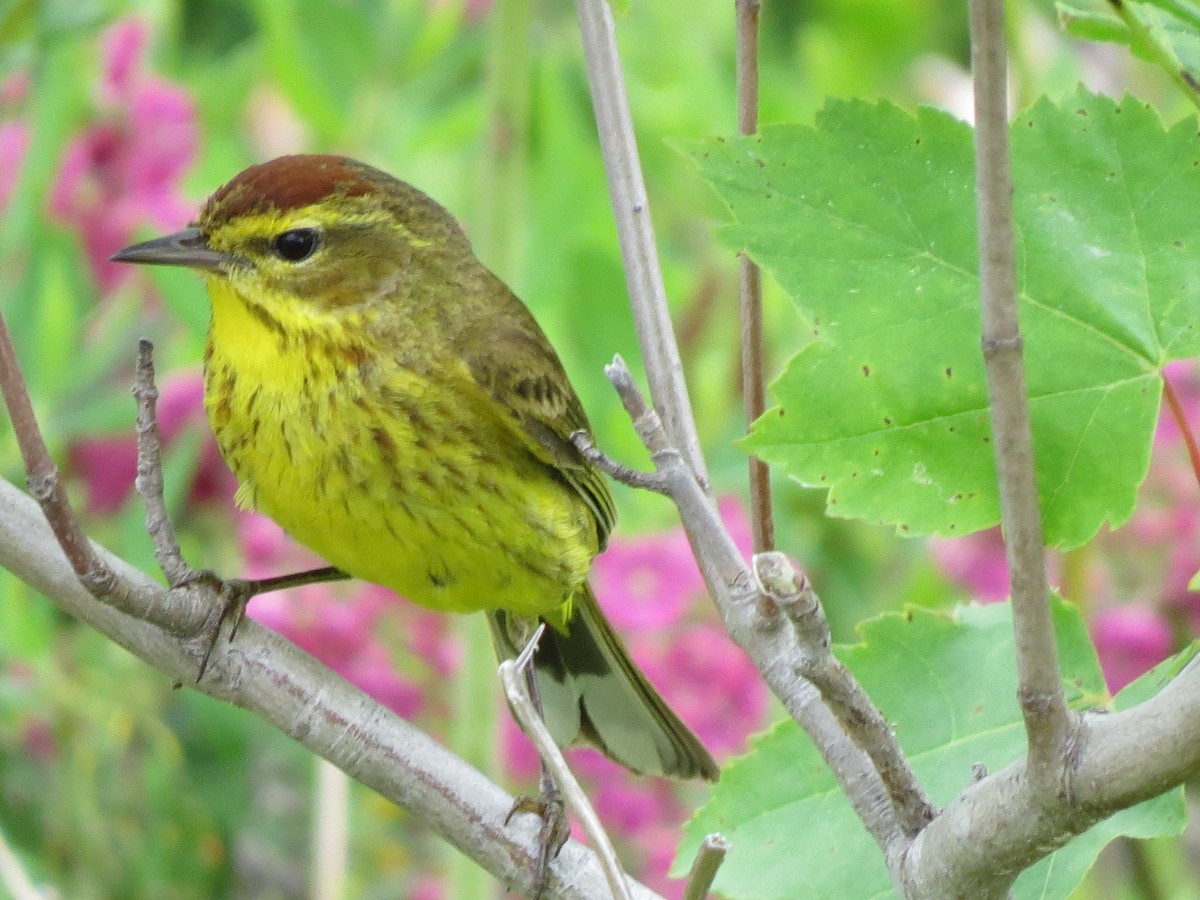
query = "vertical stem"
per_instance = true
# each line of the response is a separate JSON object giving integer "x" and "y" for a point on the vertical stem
{"x": 643, "y": 276}
{"x": 750, "y": 284}
{"x": 1185, "y": 429}
{"x": 1047, "y": 719}
{"x": 331, "y": 832}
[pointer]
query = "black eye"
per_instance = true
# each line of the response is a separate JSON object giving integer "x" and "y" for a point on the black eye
{"x": 296, "y": 245}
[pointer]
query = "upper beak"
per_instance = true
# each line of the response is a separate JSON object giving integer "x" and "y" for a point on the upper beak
{"x": 184, "y": 248}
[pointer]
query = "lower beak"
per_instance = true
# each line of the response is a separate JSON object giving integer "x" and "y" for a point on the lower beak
{"x": 184, "y": 248}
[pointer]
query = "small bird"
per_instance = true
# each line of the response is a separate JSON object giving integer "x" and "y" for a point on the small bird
{"x": 394, "y": 406}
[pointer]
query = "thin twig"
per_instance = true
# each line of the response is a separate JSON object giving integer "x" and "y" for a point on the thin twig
{"x": 320, "y": 575}
{"x": 750, "y": 286}
{"x": 747, "y": 12}
{"x": 675, "y": 448}
{"x": 627, "y": 187}
{"x": 45, "y": 483}
{"x": 647, "y": 481}
{"x": 704, "y": 867}
{"x": 1048, "y": 721}
{"x": 188, "y": 610}
{"x": 533, "y": 726}
{"x": 149, "y": 481}
{"x": 229, "y": 596}
{"x": 1185, "y": 428}
{"x": 770, "y": 638}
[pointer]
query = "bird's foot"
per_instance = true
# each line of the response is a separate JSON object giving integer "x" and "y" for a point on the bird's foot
{"x": 553, "y": 834}
{"x": 233, "y": 594}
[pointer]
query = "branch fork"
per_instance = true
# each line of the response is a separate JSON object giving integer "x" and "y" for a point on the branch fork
{"x": 772, "y": 611}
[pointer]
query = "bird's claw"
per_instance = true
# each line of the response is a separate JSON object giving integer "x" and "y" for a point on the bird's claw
{"x": 552, "y": 835}
{"x": 234, "y": 594}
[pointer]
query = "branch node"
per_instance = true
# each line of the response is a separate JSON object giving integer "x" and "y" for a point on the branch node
{"x": 42, "y": 484}
{"x": 704, "y": 867}
{"x": 994, "y": 346}
{"x": 781, "y": 581}
{"x": 99, "y": 580}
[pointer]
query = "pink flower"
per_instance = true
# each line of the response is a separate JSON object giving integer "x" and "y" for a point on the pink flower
{"x": 124, "y": 46}
{"x": 125, "y": 169}
{"x": 373, "y": 672}
{"x": 426, "y": 887}
{"x": 647, "y": 582}
{"x": 650, "y": 581}
{"x": 395, "y": 652}
{"x": 976, "y": 562}
{"x": 708, "y": 681}
{"x": 108, "y": 465}
{"x": 1130, "y": 640}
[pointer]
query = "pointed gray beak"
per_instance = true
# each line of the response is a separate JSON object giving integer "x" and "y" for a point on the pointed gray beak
{"x": 184, "y": 248}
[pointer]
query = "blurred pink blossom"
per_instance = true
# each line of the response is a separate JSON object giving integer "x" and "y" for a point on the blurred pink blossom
{"x": 1130, "y": 641}
{"x": 125, "y": 169}
{"x": 976, "y": 562}
{"x": 427, "y": 887}
{"x": 650, "y": 581}
{"x": 392, "y": 650}
{"x": 709, "y": 682}
{"x": 647, "y": 582}
{"x": 1181, "y": 375}
{"x": 108, "y": 465}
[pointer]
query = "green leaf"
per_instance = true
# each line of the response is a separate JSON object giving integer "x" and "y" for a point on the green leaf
{"x": 1087, "y": 25}
{"x": 1163, "y": 32}
{"x": 868, "y": 220}
{"x": 794, "y": 835}
{"x": 1174, "y": 27}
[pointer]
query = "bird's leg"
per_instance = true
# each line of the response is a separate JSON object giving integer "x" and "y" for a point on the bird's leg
{"x": 236, "y": 593}
{"x": 548, "y": 804}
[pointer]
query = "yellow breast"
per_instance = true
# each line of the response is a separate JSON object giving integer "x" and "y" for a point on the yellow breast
{"x": 398, "y": 477}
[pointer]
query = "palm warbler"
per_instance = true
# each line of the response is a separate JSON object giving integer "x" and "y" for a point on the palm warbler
{"x": 394, "y": 406}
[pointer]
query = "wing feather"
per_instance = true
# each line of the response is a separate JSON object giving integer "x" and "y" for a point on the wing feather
{"x": 514, "y": 363}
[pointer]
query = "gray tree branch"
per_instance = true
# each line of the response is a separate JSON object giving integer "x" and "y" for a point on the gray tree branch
{"x": 278, "y": 682}
{"x": 643, "y": 274}
{"x": 783, "y": 653}
{"x": 1002, "y": 824}
{"x": 1048, "y": 721}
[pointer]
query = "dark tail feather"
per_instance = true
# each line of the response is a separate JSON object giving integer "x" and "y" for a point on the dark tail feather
{"x": 593, "y": 693}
